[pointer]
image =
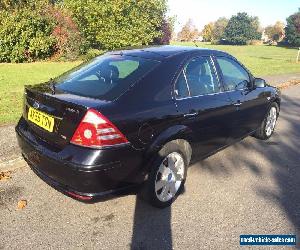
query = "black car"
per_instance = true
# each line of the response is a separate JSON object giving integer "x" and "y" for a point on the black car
{"x": 137, "y": 116}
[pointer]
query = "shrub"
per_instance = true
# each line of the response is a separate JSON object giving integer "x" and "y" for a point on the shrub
{"x": 25, "y": 35}
{"x": 254, "y": 42}
{"x": 119, "y": 23}
{"x": 216, "y": 42}
{"x": 66, "y": 33}
{"x": 91, "y": 53}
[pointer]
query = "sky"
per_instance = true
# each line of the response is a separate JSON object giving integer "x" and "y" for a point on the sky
{"x": 205, "y": 11}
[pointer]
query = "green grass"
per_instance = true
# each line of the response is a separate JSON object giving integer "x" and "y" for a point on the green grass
{"x": 13, "y": 77}
{"x": 261, "y": 60}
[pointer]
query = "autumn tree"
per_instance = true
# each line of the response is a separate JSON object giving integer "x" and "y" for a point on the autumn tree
{"x": 275, "y": 32}
{"x": 207, "y": 32}
{"x": 219, "y": 28}
{"x": 188, "y": 32}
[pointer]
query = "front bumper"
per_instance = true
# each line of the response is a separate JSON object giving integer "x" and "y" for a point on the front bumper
{"x": 83, "y": 171}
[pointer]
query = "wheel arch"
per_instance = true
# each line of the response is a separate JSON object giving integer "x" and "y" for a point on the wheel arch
{"x": 176, "y": 134}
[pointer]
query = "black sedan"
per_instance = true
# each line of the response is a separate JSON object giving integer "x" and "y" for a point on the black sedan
{"x": 138, "y": 116}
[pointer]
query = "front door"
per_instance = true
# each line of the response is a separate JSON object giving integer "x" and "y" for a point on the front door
{"x": 248, "y": 103}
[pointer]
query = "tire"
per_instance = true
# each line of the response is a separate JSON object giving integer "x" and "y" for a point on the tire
{"x": 167, "y": 175}
{"x": 267, "y": 127}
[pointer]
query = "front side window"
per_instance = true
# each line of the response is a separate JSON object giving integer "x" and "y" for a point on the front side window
{"x": 234, "y": 75}
{"x": 197, "y": 78}
{"x": 106, "y": 77}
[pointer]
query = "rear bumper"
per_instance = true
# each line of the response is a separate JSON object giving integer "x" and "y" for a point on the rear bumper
{"x": 83, "y": 171}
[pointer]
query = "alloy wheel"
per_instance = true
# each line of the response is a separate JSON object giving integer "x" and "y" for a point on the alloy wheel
{"x": 169, "y": 176}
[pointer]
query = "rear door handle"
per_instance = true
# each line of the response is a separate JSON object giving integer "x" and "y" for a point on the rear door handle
{"x": 238, "y": 103}
{"x": 192, "y": 114}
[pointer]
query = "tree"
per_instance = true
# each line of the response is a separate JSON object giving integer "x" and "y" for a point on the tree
{"x": 275, "y": 32}
{"x": 167, "y": 30}
{"x": 119, "y": 23}
{"x": 207, "y": 32}
{"x": 188, "y": 32}
{"x": 219, "y": 28}
{"x": 242, "y": 28}
{"x": 292, "y": 29}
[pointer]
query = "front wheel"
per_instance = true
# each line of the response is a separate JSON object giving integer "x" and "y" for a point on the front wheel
{"x": 267, "y": 127}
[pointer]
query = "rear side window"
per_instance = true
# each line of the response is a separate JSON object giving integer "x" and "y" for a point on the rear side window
{"x": 106, "y": 77}
{"x": 197, "y": 78}
{"x": 234, "y": 75}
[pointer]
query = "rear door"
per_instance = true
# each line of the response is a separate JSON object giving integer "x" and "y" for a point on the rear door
{"x": 202, "y": 105}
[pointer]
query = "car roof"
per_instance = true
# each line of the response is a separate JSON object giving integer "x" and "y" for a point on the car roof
{"x": 163, "y": 52}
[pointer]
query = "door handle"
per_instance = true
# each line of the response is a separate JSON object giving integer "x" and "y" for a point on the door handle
{"x": 192, "y": 114}
{"x": 238, "y": 103}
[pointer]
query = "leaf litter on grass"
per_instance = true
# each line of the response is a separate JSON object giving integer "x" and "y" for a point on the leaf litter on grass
{"x": 5, "y": 175}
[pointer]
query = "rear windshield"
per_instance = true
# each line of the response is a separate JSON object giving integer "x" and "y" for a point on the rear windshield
{"x": 105, "y": 77}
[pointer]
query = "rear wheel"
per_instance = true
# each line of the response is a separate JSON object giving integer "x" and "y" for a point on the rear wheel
{"x": 267, "y": 127}
{"x": 167, "y": 176}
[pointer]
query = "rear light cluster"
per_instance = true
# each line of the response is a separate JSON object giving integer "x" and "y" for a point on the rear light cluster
{"x": 95, "y": 130}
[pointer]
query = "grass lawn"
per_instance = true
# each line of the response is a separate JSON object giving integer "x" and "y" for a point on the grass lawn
{"x": 262, "y": 60}
{"x": 14, "y": 76}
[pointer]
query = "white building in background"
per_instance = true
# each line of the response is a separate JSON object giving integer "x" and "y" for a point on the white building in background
{"x": 264, "y": 37}
{"x": 199, "y": 39}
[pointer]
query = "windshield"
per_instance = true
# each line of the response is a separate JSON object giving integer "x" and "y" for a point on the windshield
{"x": 105, "y": 77}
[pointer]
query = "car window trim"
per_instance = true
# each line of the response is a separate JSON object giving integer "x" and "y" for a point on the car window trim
{"x": 221, "y": 89}
{"x": 186, "y": 81}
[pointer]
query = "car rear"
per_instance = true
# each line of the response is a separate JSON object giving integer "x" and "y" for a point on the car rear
{"x": 68, "y": 133}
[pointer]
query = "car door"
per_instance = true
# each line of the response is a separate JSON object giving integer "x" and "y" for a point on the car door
{"x": 249, "y": 103}
{"x": 202, "y": 105}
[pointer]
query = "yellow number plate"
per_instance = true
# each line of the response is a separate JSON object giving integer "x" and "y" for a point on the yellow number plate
{"x": 41, "y": 119}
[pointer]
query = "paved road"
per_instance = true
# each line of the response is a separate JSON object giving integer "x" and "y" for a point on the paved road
{"x": 251, "y": 187}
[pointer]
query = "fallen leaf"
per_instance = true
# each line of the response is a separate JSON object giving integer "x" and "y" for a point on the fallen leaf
{"x": 22, "y": 204}
{"x": 290, "y": 83}
{"x": 5, "y": 175}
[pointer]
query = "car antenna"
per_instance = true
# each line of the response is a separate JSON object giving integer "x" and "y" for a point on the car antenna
{"x": 195, "y": 43}
{"x": 52, "y": 86}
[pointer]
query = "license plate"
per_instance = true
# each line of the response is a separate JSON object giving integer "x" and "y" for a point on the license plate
{"x": 41, "y": 119}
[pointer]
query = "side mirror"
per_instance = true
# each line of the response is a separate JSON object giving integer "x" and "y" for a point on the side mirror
{"x": 259, "y": 83}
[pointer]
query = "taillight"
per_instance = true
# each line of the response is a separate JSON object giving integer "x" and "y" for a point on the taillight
{"x": 95, "y": 130}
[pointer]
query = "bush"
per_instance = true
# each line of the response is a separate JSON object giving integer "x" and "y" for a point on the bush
{"x": 66, "y": 33}
{"x": 25, "y": 35}
{"x": 216, "y": 42}
{"x": 91, "y": 53}
{"x": 109, "y": 25}
{"x": 254, "y": 42}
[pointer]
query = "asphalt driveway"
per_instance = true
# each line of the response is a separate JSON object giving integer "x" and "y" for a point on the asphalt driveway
{"x": 251, "y": 187}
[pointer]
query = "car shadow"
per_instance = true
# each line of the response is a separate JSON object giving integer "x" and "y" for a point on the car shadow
{"x": 151, "y": 227}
